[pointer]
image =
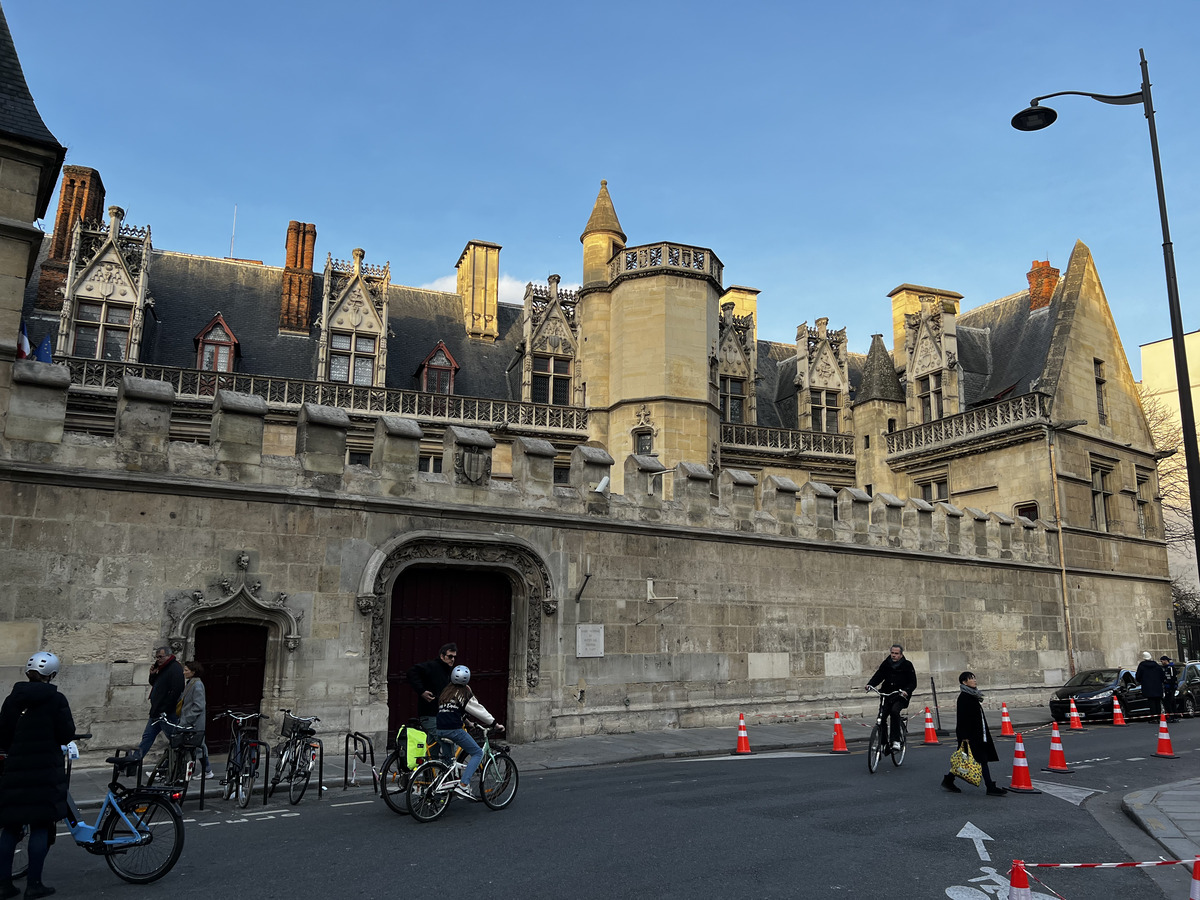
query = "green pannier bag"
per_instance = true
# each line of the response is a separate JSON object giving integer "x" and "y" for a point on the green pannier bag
{"x": 413, "y": 740}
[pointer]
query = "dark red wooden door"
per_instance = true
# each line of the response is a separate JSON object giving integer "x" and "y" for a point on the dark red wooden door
{"x": 234, "y": 656}
{"x": 433, "y": 606}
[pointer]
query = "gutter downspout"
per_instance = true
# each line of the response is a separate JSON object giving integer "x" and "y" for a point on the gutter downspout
{"x": 1051, "y": 428}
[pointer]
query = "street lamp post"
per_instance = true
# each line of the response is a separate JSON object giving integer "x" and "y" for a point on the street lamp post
{"x": 1037, "y": 117}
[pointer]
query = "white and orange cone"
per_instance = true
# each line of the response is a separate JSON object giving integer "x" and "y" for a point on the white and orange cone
{"x": 1021, "y": 782}
{"x": 743, "y": 739}
{"x": 1076, "y": 722}
{"x": 1164, "y": 740}
{"x": 1194, "y": 893}
{"x": 1118, "y": 716}
{"x": 839, "y": 738}
{"x": 1006, "y": 729}
{"x": 930, "y": 731}
{"x": 1018, "y": 885}
{"x": 1058, "y": 758}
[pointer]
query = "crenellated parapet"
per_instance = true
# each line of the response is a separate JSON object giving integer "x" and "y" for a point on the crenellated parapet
{"x": 689, "y": 495}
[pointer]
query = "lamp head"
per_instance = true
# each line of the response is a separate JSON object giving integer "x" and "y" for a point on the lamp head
{"x": 1034, "y": 119}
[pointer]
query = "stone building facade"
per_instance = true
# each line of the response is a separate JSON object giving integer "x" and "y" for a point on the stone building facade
{"x": 629, "y": 510}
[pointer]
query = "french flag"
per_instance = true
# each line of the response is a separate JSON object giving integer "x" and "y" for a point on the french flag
{"x": 24, "y": 351}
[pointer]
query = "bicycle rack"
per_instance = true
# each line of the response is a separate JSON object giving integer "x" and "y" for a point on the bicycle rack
{"x": 264, "y": 764}
{"x": 320, "y": 766}
{"x": 362, "y": 749}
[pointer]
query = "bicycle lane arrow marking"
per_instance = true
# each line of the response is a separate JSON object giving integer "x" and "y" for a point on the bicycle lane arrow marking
{"x": 971, "y": 833}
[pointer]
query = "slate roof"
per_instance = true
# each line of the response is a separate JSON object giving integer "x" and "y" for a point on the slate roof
{"x": 19, "y": 116}
{"x": 1003, "y": 345}
{"x": 879, "y": 379}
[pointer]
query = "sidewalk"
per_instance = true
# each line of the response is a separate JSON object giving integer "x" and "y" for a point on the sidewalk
{"x": 1169, "y": 813}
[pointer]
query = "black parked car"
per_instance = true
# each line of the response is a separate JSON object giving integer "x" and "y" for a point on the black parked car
{"x": 1094, "y": 689}
{"x": 1187, "y": 698}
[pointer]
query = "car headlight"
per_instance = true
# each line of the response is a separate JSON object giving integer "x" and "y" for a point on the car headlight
{"x": 1102, "y": 695}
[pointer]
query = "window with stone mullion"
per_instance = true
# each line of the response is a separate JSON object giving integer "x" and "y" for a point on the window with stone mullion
{"x": 551, "y": 380}
{"x": 101, "y": 331}
{"x": 825, "y": 406}
{"x": 352, "y": 354}
{"x": 733, "y": 400}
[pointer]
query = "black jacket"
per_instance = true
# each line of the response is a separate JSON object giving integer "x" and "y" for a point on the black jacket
{"x": 972, "y": 727}
{"x": 1150, "y": 677}
{"x": 430, "y": 676}
{"x": 35, "y": 721}
{"x": 898, "y": 677}
{"x": 166, "y": 687}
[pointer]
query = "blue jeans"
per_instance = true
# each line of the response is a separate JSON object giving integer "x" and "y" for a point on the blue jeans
{"x": 464, "y": 740}
{"x": 153, "y": 727}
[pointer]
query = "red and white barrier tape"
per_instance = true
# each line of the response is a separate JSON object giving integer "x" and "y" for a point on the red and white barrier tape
{"x": 1120, "y": 865}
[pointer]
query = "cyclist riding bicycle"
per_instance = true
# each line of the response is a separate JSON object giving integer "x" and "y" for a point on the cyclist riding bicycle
{"x": 895, "y": 673}
{"x": 456, "y": 698}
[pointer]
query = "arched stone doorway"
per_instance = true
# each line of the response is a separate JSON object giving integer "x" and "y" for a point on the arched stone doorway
{"x": 433, "y": 605}
{"x": 234, "y": 656}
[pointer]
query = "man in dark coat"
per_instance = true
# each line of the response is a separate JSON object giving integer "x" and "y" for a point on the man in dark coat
{"x": 1170, "y": 687}
{"x": 166, "y": 687}
{"x": 1150, "y": 676}
{"x": 895, "y": 673}
{"x": 429, "y": 679}
{"x": 971, "y": 726}
{"x": 35, "y": 721}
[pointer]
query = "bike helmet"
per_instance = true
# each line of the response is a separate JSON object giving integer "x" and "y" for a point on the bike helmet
{"x": 460, "y": 675}
{"x": 43, "y": 663}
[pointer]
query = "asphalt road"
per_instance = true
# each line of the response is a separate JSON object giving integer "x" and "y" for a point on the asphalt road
{"x": 786, "y": 825}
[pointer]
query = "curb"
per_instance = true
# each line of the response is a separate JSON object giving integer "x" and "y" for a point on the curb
{"x": 1142, "y": 807}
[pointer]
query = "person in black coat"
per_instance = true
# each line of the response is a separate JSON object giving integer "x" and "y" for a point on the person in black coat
{"x": 971, "y": 726}
{"x": 166, "y": 687}
{"x": 1150, "y": 676}
{"x": 1170, "y": 688}
{"x": 35, "y": 721}
{"x": 429, "y": 679}
{"x": 895, "y": 673}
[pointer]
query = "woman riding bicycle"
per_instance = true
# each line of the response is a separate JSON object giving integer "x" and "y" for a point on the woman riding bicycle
{"x": 456, "y": 698}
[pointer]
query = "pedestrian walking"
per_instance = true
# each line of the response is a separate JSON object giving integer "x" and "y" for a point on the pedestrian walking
{"x": 1150, "y": 676}
{"x": 972, "y": 727}
{"x": 193, "y": 710}
{"x": 166, "y": 687}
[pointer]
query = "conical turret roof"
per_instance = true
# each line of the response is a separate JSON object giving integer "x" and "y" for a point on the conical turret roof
{"x": 879, "y": 379}
{"x": 604, "y": 217}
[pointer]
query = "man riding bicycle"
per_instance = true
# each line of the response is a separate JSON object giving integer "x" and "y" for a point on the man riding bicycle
{"x": 895, "y": 673}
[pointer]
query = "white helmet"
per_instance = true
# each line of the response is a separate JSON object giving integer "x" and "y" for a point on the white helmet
{"x": 460, "y": 675}
{"x": 43, "y": 663}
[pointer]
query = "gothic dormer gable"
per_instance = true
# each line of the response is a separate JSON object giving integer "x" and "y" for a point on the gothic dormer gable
{"x": 106, "y": 277}
{"x": 927, "y": 355}
{"x": 355, "y": 309}
{"x": 354, "y": 313}
{"x": 732, "y": 354}
{"x": 436, "y": 373}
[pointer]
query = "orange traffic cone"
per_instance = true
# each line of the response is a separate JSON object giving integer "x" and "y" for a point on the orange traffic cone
{"x": 1076, "y": 722}
{"x": 1058, "y": 759}
{"x": 1021, "y": 782}
{"x": 1018, "y": 886}
{"x": 743, "y": 743}
{"x": 1006, "y": 729}
{"x": 1118, "y": 716}
{"x": 930, "y": 731}
{"x": 1194, "y": 893}
{"x": 839, "y": 739}
{"x": 1164, "y": 740}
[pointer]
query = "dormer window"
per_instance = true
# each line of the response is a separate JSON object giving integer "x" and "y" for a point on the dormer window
{"x": 216, "y": 347}
{"x": 436, "y": 374}
{"x": 551, "y": 380}
{"x": 101, "y": 330}
{"x": 352, "y": 358}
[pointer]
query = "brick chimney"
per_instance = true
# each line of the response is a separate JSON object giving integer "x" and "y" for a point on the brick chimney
{"x": 1043, "y": 279}
{"x": 80, "y": 196}
{"x": 295, "y": 310}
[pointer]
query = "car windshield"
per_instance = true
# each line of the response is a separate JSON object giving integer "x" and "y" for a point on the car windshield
{"x": 1094, "y": 678}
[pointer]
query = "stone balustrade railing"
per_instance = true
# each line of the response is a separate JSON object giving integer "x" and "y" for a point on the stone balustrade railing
{"x": 665, "y": 256}
{"x": 980, "y": 423}
{"x": 787, "y": 440}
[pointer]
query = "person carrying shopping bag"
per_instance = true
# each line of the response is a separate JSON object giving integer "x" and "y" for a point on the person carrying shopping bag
{"x": 972, "y": 729}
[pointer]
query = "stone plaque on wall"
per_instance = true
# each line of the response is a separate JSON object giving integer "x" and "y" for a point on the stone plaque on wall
{"x": 589, "y": 641}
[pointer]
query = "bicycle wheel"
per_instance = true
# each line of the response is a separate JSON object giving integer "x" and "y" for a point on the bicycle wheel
{"x": 232, "y": 769}
{"x": 151, "y": 848}
{"x": 245, "y": 781}
{"x": 283, "y": 765}
{"x": 898, "y": 755}
{"x": 393, "y": 784}
{"x": 21, "y": 854}
{"x": 301, "y": 773}
{"x": 424, "y": 802}
{"x": 498, "y": 783}
{"x": 874, "y": 749}
{"x": 159, "y": 775}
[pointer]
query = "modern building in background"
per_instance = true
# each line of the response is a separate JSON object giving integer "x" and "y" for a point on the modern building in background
{"x": 628, "y": 509}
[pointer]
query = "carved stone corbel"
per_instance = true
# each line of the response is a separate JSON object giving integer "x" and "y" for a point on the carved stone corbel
{"x": 366, "y": 603}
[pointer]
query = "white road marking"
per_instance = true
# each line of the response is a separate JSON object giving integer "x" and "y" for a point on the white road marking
{"x": 780, "y": 754}
{"x": 972, "y": 833}
{"x": 1073, "y": 795}
{"x": 353, "y": 803}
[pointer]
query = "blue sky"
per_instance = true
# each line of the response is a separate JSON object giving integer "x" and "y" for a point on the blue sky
{"x": 825, "y": 152}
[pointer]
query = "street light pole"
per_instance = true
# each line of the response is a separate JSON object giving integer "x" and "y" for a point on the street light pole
{"x": 1037, "y": 117}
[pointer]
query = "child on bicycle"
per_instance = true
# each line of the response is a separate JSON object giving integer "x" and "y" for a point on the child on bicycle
{"x": 456, "y": 698}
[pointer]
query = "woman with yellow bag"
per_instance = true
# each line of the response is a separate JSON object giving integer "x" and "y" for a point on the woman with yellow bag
{"x": 975, "y": 745}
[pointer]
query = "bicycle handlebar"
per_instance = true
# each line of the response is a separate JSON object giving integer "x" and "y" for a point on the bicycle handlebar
{"x": 288, "y": 712}
{"x": 240, "y": 717}
{"x": 871, "y": 689}
{"x": 162, "y": 718}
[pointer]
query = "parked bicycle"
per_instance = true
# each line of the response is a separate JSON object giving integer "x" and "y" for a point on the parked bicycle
{"x": 880, "y": 742}
{"x": 431, "y": 786}
{"x": 180, "y": 758}
{"x": 411, "y": 750}
{"x": 297, "y": 755}
{"x": 138, "y": 831}
{"x": 245, "y": 755}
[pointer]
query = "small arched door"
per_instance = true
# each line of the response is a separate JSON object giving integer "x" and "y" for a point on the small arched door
{"x": 432, "y": 606}
{"x": 234, "y": 656}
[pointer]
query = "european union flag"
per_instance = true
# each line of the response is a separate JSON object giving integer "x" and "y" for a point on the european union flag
{"x": 44, "y": 352}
